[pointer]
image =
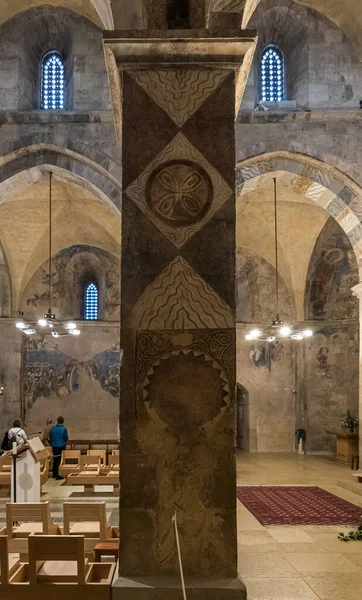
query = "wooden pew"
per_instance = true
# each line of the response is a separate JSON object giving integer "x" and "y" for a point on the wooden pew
{"x": 70, "y": 462}
{"x": 32, "y": 518}
{"x": 58, "y": 563}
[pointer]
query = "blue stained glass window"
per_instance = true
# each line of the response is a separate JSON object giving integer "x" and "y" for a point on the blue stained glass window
{"x": 52, "y": 88}
{"x": 91, "y": 302}
{"x": 272, "y": 75}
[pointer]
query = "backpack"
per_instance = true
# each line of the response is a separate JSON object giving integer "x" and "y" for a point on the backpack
{"x": 11, "y": 440}
{"x": 5, "y": 443}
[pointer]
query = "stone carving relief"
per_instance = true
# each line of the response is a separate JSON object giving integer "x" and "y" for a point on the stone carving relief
{"x": 180, "y": 299}
{"x": 228, "y": 6}
{"x": 187, "y": 418}
{"x": 179, "y": 92}
{"x": 179, "y": 191}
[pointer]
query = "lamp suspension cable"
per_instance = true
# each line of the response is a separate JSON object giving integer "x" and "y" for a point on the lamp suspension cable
{"x": 276, "y": 248}
{"x": 50, "y": 241}
{"x": 277, "y": 330}
{"x": 48, "y": 324}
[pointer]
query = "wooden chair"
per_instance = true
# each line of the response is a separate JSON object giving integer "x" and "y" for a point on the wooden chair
{"x": 88, "y": 519}
{"x": 113, "y": 462}
{"x": 5, "y": 473}
{"x": 101, "y": 453}
{"x": 70, "y": 462}
{"x": 34, "y": 517}
{"x": 57, "y": 559}
{"x": 89, "y": 462}
{"x": 7, "y": 567}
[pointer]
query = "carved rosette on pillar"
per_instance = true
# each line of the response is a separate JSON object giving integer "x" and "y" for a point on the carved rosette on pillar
{"x": 178, "y": 100}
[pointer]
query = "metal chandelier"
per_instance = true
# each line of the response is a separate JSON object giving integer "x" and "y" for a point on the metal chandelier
{"x": 277, "y": 330}
{"x": 48, "y": 324}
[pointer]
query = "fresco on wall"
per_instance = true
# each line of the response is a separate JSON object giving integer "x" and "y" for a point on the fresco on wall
{"x": 72, "y": 269}
{"x": 79, "y": 379}
{"x": 332, "y": 272}
{"x": 265, "y": 354}
{"x": 255, "y": 280}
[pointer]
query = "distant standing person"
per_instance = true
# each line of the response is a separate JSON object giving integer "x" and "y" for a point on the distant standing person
{"x": 17, "y": 433}
{"x": 46, "y": 432}
{"x": 58, "y": 442}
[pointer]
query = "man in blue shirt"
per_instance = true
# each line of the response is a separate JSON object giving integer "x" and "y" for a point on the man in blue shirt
{"x": 58, "y": 442}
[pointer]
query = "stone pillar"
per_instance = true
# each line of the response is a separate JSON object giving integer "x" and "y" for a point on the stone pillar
{"x": 357, "y": 291}
{"x": 178, "y": 314}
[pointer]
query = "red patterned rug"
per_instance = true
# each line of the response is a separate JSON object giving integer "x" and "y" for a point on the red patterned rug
{"x": 297, "y": 505}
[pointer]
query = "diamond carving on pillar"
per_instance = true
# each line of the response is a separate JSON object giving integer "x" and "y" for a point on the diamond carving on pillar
{"x": 179, "y": 92}
{"x": 179, "y": 191}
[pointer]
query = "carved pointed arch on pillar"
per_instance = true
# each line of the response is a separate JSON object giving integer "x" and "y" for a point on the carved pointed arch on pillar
{"x": 6, "y": 292}
{"x": 326, "y": 186}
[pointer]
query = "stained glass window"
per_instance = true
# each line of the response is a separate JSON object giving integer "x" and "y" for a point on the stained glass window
{"x": 91, "y": 302}
{"x": 272, "y": 74}
{"x": 52, "y": 92}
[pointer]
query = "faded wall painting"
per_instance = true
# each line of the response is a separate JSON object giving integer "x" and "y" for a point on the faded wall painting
{"x": 255, "y": 281}
{"x": 330, "y": 382}
{"x": 72, "y": 269}
{"x": 76, "y": 378}
{"x": 332, "y": 272}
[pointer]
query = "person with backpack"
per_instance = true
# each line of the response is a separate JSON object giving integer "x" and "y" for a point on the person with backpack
{"x": 16, "y": 434}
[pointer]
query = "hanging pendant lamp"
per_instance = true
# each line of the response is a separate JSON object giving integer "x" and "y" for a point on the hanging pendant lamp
{"x": 48, "y": 324}
{"x": 277, "y": 330}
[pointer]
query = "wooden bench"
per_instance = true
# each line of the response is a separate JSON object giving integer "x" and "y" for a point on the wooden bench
{"x": 7, "y": 565}
{"x": 33, "y": 517}
{"x": 70, "y": 462}
{"x": 58, "y": 562}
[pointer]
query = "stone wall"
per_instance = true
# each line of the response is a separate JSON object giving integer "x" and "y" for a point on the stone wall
{"x": 322, "y": 67}
{"x": 27, "y": 37}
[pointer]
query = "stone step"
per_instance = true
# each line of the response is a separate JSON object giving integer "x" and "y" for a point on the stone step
{"x": 351, "y": 486}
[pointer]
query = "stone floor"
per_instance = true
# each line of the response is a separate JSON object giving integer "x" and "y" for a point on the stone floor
{"x": 275, "y": 563}
{"x": 296, "y": 563}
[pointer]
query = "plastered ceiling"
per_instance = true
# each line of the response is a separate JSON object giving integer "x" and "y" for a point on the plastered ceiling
{"x": 78, "y": 218}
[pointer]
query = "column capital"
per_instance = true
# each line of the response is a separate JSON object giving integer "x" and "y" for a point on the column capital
{"x": 357, "y": 290}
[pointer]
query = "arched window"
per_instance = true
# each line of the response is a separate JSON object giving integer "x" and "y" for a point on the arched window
{"x": 52, "y": 81}
{"x": 91, "y": 302}
{"x": 272, "y": 74}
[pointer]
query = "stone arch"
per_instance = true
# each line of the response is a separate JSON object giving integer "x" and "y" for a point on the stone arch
{"x": 326, "y": 186}
{"x": 30, "y": 162}
{"x": 96, "y": 11}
